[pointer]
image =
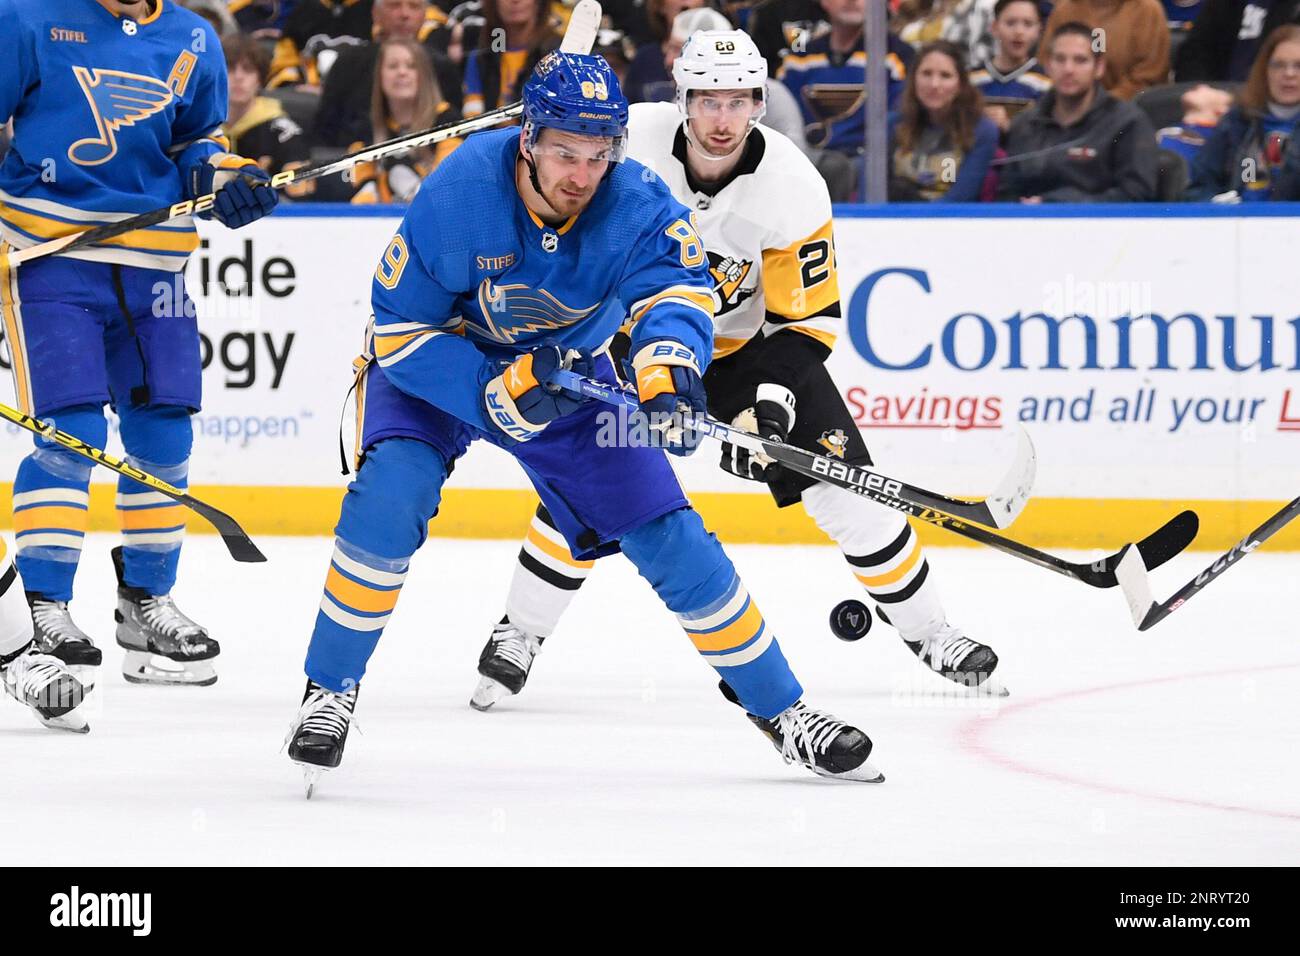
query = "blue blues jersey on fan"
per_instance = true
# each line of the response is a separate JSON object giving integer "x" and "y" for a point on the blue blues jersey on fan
{"x": 473, "y": 276}
{"x": 107, "y": 113}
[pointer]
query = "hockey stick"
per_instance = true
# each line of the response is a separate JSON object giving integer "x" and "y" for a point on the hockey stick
{"x": 996, "y": 511}
{"x": 1156, "y": 548}
{"x": 1147, "y": 612}
{"x": 578, "y": 38}
{"x": 241, "y": 547}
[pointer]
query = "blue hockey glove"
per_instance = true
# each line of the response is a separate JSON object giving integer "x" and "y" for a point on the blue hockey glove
{"x": 670, "y": 389}
{"x": 518, "y": 402}
{"x": 242, "y": 188}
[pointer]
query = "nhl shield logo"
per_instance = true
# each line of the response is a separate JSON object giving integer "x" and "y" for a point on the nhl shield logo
{"x": 834, "y": 441}
{"x": 129, "y": 27}
{"x": 550, "y": 242}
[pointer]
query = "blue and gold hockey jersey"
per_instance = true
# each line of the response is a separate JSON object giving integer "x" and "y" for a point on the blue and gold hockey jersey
{"x": 473, "y": 277}
{"x": 1022, "y": 86}
{"x": 107, "y": 111}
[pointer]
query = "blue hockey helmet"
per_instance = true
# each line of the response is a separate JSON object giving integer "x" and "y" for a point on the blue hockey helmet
{"x": 577, "y": 93}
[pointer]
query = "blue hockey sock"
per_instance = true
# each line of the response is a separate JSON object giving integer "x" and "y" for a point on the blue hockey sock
{"x": 158, "y": 439}
{"x": 52, "y": 501}
{"x": 691, "y": 573}
{"x": 385, "y": 519}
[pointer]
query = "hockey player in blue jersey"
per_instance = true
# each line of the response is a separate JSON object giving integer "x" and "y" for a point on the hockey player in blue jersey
{"x": 524, "y": 251}
{"x": 117, "y": 108}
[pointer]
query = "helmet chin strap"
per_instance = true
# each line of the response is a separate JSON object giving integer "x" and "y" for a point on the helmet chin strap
{"x": 536, "y": 184}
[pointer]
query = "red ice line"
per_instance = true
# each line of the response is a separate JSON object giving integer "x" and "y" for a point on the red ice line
{"x": 970, "y": 734}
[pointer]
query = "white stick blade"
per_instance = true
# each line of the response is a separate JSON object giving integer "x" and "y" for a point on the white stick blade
{"x": 584, "y": 23}
{"x": 1131, "y": 572}
{"x": 1011, "y": 496}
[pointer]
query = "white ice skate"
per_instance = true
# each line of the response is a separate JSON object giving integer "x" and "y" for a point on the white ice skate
{"x": 46, "y": 685}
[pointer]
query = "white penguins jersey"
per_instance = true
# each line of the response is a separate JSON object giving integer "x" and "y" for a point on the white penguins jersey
{"x": 767, "y": 232}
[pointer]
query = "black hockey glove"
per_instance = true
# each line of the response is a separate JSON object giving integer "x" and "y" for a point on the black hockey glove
{"x": 771, "y": 417}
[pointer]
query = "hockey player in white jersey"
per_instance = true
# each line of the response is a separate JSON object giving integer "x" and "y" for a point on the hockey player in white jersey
{"x": 764, "y": 214}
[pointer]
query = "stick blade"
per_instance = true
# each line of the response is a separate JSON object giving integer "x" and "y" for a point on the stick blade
{"x": 1012, "y": 494}
{"x": 1170, "y": 539}
{"x": 584, "y": 23}
{"x": 1131, "y": 572}
{"x": 237, "y": 541}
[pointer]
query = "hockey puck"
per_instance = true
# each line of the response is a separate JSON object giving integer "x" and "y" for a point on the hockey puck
{"x": 851, "y": 620}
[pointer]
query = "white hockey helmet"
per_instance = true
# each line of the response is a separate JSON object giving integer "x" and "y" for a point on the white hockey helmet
{"x": 720, "y": 60}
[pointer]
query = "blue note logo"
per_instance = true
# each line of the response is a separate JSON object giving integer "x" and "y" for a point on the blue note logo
{"x": 117, "y": 99}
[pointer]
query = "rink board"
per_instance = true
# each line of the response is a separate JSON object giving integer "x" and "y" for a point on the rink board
{"x": 1152, "y": 354}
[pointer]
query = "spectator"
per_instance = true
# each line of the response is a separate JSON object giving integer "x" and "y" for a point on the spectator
{"x": 617, "y": 49}
{"x": 405, "y": 97}
{"x": 215, "y": 12}
{"x": 1132, "y": 35}
{"x": 1247, "y": 150}
{"x": 942, "y": 143}
{"x": 515, "y": 35}
{"x": 257, "y": 125}
{"x": 262, "y": 19}
{"x": 1078, "y": 143}
{"x": 1012, "y": 78}
{"x": 654, "y": 84}
{"x": 1226, "y": 37}
{"x": 829, "y": 78}
{"x": 779, "y": 27}
{"x": 919, "y": 22}
{"x": 345, "y": 102}
{"x": 970, "y": 26}
{"x": 457, "y": 34}
{"x": 1203, "y": 107}
{"x": 1180, "y": 14}
{"x": 314, "y": 26}
{"x": 649, "y": 78}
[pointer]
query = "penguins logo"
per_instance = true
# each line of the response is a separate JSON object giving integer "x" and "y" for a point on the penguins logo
{"x": 729, "y": 274}
{"x": 835, "y": 442}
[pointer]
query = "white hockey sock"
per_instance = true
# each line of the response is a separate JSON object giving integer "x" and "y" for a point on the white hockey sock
{"x": 15, "y": 616}
{"x": 885, "y": 554}
{"x": 546, "y": 580}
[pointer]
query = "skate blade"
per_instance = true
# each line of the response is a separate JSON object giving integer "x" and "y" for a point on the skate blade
{"x": 141, "y": 667}
{"x": 72, "y": 721}
{"x": 864, "y": 773}
{"x": 310, "y": 777}
{"x": 488, "y": 692}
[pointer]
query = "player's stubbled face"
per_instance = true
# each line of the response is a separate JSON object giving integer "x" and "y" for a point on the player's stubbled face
{"x": 570, "y": 168}
{"x": 720, "y": 118}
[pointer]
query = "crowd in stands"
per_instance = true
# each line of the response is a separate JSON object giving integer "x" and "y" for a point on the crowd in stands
{"x": 988, "y": 100}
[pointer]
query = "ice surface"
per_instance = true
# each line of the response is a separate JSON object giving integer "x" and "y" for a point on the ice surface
{"x": 1177, "y": 746}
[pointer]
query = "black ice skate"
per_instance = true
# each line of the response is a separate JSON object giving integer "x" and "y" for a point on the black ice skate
{"x": 56, "y": 634}
{"x": 951, "y": 654}
{"x": 320, "y": 730}
{"x": 46, "y": 685}
{"x": 826, "y": 746}
{"x": 163, "y": 646}
{"x": 504, "y": 664}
